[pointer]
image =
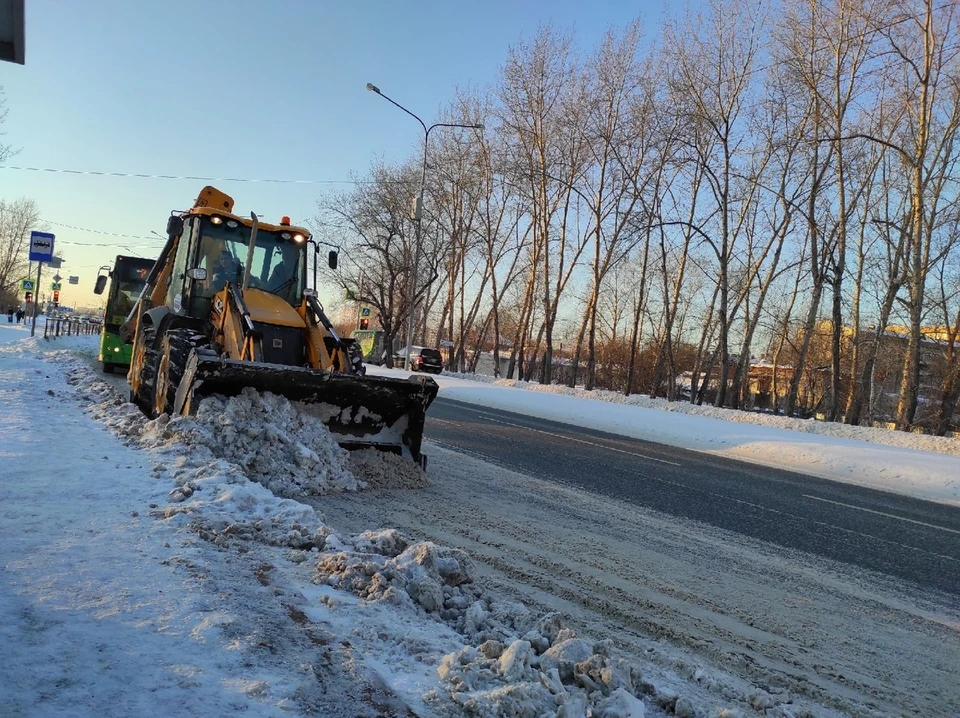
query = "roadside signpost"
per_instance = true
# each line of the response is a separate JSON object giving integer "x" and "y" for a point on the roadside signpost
{"x": 41, "y": 250}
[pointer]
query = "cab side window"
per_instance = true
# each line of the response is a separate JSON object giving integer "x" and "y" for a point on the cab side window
{"x": 178, "y": 290}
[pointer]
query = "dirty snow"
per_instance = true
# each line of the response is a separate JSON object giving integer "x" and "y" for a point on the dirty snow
{"x": 383, "y": 470}
{"x": 266, "y": 437}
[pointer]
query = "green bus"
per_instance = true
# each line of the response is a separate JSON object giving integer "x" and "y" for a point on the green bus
{"x": 128, "y": 277}
{"x": 370, "y": 342}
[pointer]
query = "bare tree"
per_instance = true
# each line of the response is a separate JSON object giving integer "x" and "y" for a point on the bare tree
{"x": 921, "y": 40}
{"x": 541, "y": 94}
{"x": 760, "y": 189}
{"x": 17, "y": 218}
{"x": 714, "y": 60}
{"x": 617, "y": 152}
{"x": 804, "y": 55}
{"x": 6, "y": 151}
{"x": 948, "y": 309}
{"x": 372, "y": 223}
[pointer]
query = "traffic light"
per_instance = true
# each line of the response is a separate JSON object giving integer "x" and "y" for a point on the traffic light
{"x": 27, "y": 297}
{"x": 56, "y": 297}
{"x": 364, "y": 323}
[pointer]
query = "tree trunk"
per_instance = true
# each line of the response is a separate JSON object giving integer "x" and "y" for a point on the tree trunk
{"x": 801, "y": 360}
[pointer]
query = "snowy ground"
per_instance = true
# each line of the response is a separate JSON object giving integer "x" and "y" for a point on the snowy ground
{"x": 926, "y": 467}
{"x": 146, "y": 568}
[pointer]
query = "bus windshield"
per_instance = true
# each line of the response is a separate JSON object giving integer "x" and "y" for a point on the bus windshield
{"x": 129, "y": 276}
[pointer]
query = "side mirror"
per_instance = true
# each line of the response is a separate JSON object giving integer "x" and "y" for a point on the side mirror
{"x": 332, "y": 259}
{"x": 100, "y": 285}
{"x": 174, "y": 226}
{"x": 198, "y": 274}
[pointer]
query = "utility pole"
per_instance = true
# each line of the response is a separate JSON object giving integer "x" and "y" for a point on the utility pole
{"x": 418, "y": 211}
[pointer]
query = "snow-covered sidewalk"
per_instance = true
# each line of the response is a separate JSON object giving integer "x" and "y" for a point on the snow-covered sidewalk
{"x": 924, "y": 467}
{"x": 106, "y": 608}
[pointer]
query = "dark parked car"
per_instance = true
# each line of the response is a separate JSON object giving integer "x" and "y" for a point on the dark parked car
{"x": 421, "y": 359}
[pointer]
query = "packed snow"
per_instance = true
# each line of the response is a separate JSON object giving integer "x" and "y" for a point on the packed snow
{"x": 169, "y": 566}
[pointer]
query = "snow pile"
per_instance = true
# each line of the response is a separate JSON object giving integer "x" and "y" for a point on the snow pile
{"x": 264, "y": 435}
{"x": 235, "y": 508}
{"x": 273, "y": 441}
{"x": 514, "y": 663}
{"x": 191, "y": 453}
{"x": 886, "y": 437}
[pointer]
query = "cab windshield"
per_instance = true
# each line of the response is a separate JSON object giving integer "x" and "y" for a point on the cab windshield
{"x": 278, "y": 262}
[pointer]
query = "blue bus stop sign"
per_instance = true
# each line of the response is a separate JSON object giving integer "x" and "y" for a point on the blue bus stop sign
{"x": 41, "y": 246}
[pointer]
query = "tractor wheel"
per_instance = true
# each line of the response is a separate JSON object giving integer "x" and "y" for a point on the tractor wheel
{"x": 108, "y": 368}
{"x": 143, "y": 364}
{"x": 171, "y": 362}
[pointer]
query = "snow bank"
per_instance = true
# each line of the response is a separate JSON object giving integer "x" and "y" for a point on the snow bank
{"x": 925, "y": 467}
{"x": 267, "y": 438}
{"x": 887, "y": 437}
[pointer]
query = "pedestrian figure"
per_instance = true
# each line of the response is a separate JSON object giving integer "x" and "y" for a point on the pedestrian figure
{"x": 10, "y": 315}
{"x": 20, "y": 314}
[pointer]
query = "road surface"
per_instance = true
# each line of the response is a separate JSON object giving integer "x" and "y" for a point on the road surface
{"x": 736, "y": 577}
{"x": 893, "y": 534}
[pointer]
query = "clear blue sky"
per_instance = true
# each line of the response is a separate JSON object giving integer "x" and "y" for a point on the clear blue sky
{"x": 240, "y": 88}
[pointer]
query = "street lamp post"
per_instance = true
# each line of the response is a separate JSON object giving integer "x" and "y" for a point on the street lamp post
{"x": 418, "y": 211}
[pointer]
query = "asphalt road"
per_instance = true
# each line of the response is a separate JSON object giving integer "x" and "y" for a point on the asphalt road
{"x": 906, "y": 538}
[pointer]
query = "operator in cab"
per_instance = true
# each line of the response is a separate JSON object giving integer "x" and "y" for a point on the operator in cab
{"x": 284, "y": 279}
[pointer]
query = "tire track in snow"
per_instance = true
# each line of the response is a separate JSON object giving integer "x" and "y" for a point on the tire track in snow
{"x": 683, "y": 595}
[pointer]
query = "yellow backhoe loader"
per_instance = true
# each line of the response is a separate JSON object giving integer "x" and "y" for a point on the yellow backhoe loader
{"x": 226, "y": 306}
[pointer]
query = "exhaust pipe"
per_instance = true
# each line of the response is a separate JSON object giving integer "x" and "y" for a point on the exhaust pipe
{"x": 253, "y": 243}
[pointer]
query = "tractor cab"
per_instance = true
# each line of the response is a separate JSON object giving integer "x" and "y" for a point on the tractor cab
{"x": 215, "y": 249}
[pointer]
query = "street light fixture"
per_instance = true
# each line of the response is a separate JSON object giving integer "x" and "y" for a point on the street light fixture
{"x": 418, "y": 210}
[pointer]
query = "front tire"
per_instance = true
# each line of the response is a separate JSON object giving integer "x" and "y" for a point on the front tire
{"x": 107, "y": 368}
{"x": 171, "y": 362}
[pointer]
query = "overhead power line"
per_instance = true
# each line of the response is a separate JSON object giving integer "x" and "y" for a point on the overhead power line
{"x": 101, "y": 231}
{"x": 143, "y": 175}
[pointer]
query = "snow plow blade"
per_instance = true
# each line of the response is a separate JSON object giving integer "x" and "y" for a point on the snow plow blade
{"x": 361, "y": 412}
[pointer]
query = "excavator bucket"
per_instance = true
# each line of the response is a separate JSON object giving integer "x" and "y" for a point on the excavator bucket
{"x": 384, "y": 413}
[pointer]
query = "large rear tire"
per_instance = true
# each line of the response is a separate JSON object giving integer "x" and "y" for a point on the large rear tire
{"x": 171, "y": 361}
{"x": 143, "y": 363}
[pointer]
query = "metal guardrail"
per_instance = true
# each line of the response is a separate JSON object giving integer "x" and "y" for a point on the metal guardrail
{"x": 56, "y": 328}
